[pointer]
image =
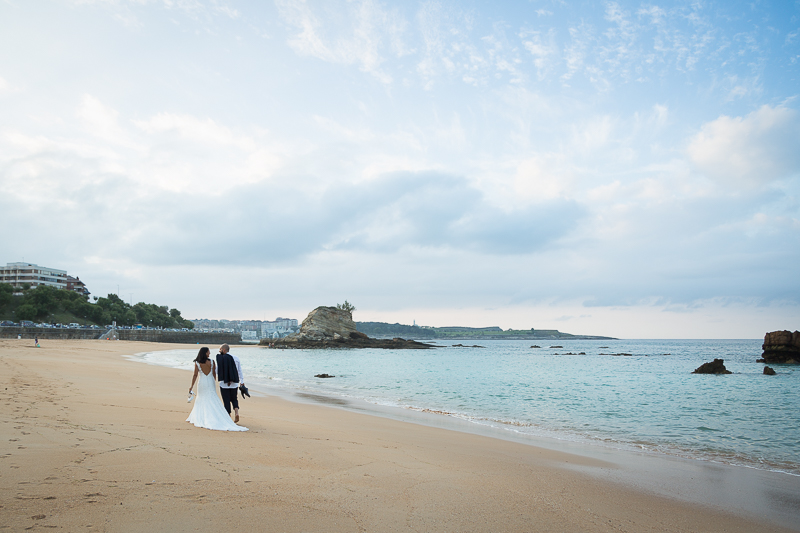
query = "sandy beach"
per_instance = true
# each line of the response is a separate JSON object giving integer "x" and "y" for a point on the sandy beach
{"x": 92, "y": 441}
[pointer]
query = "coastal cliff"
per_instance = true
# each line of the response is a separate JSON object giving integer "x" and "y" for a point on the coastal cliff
{"x": 330, "y": 327}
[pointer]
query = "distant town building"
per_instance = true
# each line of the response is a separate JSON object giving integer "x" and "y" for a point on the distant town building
{"x": 278, "y": 327}
{"x": 249, "y": 325}
{"x": 250, "y": 329}
{"x": 18, "y": 274}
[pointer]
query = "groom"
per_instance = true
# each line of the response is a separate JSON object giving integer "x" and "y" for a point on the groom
{"x": 229, "y": 374}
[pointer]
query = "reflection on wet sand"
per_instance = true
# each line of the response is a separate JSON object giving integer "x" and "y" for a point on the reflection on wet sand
{"x": 323, "y": 399}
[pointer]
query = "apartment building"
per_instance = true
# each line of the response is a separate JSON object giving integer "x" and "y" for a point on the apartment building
{"x": 18, "y": 274}
{"x": 75, "y": 284}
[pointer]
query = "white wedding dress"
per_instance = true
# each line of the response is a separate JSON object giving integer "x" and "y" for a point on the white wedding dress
{"x": 208, "y": 411}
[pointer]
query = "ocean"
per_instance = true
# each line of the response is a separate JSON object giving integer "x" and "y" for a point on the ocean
{"x": 626, "y": 394}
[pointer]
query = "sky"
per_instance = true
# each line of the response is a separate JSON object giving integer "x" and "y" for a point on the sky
{"x": 629, "y": 169}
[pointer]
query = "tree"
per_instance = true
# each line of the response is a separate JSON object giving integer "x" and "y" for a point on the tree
{"x": 6, "y": 294}
{"x": 346, "y": 306}
{"x": 26, "y": 312}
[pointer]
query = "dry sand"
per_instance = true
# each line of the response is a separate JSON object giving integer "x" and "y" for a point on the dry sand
{"x": 92, "y": 441}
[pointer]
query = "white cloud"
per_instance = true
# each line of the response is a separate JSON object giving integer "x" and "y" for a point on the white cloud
{"x": 761, "y": 147}
{"x": 99, "y": 119}
{"x": 542, "y": 46}
{"x": 202, "y": 131}
{"x": 190, "y": 7}
{"x": 363, "y": 31}
{"x": 594, "y": 133}
{"x": 540, "y": 179}
{"x": 660, "y": 115}
{"x": 6, "y": 87}
{"x": 576, "y": 51}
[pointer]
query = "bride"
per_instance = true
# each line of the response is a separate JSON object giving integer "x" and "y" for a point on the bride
{"x": 208, "y": 411}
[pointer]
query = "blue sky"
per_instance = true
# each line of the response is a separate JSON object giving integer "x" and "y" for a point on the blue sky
{"x": 621, "y": 168}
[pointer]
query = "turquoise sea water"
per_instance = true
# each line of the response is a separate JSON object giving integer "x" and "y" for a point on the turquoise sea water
{"x": 648, "y": 400}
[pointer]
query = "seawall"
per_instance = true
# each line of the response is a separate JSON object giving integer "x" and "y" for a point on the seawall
{"x": 147, "y": 335}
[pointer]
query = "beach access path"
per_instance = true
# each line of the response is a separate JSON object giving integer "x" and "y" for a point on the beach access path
{"x": 92, "y": 441}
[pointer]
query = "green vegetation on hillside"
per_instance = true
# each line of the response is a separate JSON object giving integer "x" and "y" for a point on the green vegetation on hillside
{"x": 48, "y": 304}
{"x": 383, "y": 329}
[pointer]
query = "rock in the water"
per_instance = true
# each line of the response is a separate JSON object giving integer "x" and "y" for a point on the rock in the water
{"x": 535, "y": 346}
{"x": 717, "y": 366}
{"x": 327, "y": 323}
{"x": 463, "y": 346}
{"x": 781, "y": 347}
{"x": 331, "y": 327}
{"x": 769, "y": 371}
{"x": 323, "y": 376}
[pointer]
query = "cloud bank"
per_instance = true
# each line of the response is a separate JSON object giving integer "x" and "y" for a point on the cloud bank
{"x": 519, "y": 162}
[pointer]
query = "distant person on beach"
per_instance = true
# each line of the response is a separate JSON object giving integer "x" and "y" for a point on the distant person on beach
{"x": 36, "y": 340}
{"x": 229, "y": 375}
{"x": 208, "y": 411}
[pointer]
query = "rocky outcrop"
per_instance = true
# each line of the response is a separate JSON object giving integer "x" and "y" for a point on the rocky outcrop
{"x": 330, "y": 327}
{"x": 327, "y": 323}
{"x": 781, "y": 347}
{"x": 717, "y": 366}
{"x": 769, "y": 371}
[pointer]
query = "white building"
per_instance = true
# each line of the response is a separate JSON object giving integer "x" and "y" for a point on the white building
{"x": 17, "y": 274}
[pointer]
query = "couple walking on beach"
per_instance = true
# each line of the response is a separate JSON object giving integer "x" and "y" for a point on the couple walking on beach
{"x": 208, "y": 411}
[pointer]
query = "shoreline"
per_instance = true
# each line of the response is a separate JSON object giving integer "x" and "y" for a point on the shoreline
{"x": 543, "y": 438}
{"x": 689, "y": 480}
{"x": 708, "y": 482}
{"x": 527, "y": 430}
{"x": 96, "y": 440}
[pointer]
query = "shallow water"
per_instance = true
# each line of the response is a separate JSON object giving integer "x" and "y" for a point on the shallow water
{"x": 647, "y": 399}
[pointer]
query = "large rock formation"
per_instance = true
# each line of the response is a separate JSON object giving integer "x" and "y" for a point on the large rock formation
{"x": 331, "y": 327}
{"x": 781, "y": 347}
{"x": 327, "y": 323}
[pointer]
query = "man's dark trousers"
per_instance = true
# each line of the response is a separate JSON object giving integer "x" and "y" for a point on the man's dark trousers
{"x": 229, "y": 397}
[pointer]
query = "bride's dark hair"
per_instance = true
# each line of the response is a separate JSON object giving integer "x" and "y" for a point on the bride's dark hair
{"x": 202, "y": 355}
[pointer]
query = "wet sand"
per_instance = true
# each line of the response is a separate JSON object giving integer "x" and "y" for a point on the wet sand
{"x": 93, "y": 441}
